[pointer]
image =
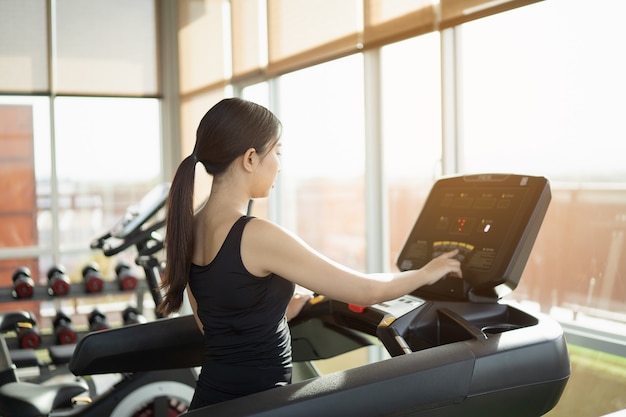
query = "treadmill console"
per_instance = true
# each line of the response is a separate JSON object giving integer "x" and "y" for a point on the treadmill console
{"x": 492, "y": 219}
{"x": 137, "y": 214}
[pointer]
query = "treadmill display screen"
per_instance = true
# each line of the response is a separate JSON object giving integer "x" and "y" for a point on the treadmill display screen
{"x": 492, "y": 219}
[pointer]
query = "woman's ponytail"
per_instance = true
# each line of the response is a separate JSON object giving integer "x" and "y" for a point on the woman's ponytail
{"x": 178, "y": 236}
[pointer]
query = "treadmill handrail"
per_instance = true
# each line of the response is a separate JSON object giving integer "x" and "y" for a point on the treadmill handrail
{"x": 168, "y": 343}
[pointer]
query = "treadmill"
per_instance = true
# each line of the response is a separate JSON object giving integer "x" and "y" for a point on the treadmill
{"x": 456, "y": 348}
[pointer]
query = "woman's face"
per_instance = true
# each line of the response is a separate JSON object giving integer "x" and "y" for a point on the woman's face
{"x": 267, "y": 171}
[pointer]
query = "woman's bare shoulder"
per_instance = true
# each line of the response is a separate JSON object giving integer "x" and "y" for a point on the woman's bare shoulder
{"x": 267, "y": 246}
{"x": 263, "y": 228}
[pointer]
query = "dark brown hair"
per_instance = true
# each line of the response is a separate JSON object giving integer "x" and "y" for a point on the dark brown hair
{"x": 226, "y": 131}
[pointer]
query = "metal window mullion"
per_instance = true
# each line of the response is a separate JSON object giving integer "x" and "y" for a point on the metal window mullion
{"x": 376, "y": 221}
{"x": 170, "y": 91}
{"x": 54, "y": 187}
{"x": 451, "y": 141}
{"x": 275, "y": 205}
{"x": 376, "y": 213}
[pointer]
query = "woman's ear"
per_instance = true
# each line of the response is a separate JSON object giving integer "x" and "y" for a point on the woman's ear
{"x": 250, "y": 159}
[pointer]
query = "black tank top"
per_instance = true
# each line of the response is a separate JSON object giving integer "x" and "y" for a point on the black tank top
{"x": 246, "y": 331}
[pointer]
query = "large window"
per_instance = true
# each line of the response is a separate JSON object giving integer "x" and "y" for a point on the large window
{"x": 80, "y": 128}
{"x": 105, "y": 155}
{"x": 542, "y": 91}
{"x": 548, "y": 103}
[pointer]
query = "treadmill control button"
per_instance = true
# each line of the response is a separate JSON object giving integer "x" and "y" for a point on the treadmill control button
{"x": 356, "y": 308}
{"x": 443, "y": 246}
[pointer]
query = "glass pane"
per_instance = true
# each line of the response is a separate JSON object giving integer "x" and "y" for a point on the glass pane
{"x": 304, "y": 31}
{"x": 249, "y": 35}
{"x": 551, "y": 94}
{"x": 108, "y": 156}
{"x": 24, "y": 180}
{"x": 203, "y": 43}
{"x": 106, "y": 47}
{"x": 322, "y": 170}
{"x": 549, "y": 102}
{"x": 411, "y": 122}
{"x": 23, "y": 46}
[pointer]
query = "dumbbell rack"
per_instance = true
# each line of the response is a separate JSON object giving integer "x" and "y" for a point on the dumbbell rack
{"x": 41, "y": 293}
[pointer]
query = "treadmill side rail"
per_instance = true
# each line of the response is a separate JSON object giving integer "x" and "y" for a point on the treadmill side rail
{"x": 168, "y": 343}
{"x": 419, "y": 381}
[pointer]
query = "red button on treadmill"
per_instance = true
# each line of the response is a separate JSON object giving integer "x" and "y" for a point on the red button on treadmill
{"x": 356, "y": 308}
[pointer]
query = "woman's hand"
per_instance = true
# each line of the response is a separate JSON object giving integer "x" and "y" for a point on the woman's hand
{"x": 296, "y": 304}
{"x": 441, "y": 266}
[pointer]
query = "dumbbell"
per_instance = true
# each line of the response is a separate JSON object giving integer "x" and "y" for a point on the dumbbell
{"x": 27, "y": 335}
{"x": 23, "y": 284}
{"x": 62, "y": 324}
{"x": 131, "y": 315}
{"x": 125, "y": 277}
{"x": 94, "y": 282}
{"x": 97, "y": 321}
{"x": 58, "y": 281}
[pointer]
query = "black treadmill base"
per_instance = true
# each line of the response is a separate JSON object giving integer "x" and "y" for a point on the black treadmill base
{"x": 515, "y": 402}
{"x": 530, "y": 401}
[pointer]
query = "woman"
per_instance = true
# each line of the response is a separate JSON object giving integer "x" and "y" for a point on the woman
{"x": 240, "y": 272}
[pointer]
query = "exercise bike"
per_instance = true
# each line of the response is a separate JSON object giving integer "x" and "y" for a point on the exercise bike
{"x": 141, "y": 392}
